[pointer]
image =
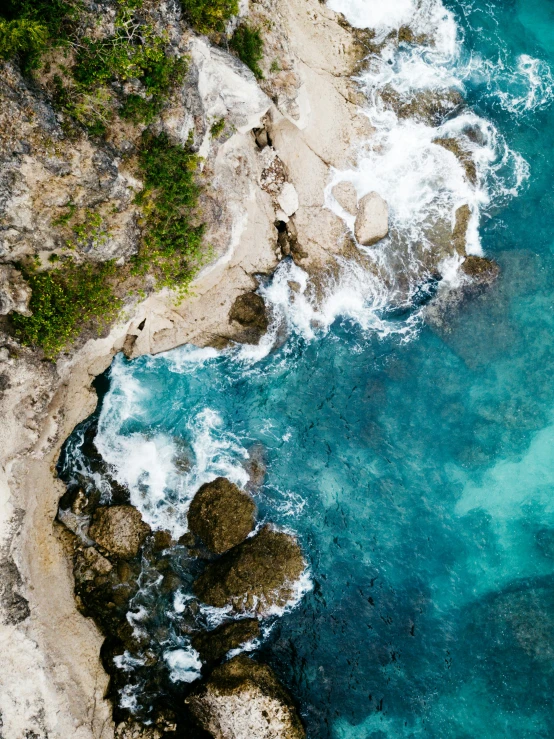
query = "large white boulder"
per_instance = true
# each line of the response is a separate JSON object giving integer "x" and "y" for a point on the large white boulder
{"x": 372, "y": 221}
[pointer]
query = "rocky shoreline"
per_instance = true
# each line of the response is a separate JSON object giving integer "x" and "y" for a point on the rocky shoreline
{"x": 267, "y": 175}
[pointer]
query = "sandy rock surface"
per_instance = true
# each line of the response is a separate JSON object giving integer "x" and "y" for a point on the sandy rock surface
{"x": 372, "y": 221}
{"x": 243, "y": 700}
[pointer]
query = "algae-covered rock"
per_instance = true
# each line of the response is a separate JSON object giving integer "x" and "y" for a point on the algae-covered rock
{"x": 257, "y": 575}
{"x": 212, "y": 646}
{"x": 249, "y": 311}
{"x": 119, "y": 530}
{"x": 222, "y": 515}
{"x": 463, "y": 156}
{"x": 463, "y": 215}
{"x": 481, "y": 270}
{"x": 429, "y": 106}
{"x": 244, "y": 700}
{"x": 372, "y": 221}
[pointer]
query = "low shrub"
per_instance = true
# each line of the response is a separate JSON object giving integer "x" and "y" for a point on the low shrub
{"x": 249, "y": 46}
{"x": 22, "y": 38}
{"x": 209, "y": 15}
{"x": 171, "y": 247}
{"x": 63, "y": 302}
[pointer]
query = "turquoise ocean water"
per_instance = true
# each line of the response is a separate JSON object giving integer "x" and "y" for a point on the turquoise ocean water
{"x": 416, "y": 466}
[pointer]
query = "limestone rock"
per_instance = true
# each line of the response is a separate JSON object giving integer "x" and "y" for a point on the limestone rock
{"x": 481, "y": 270}
{"x": 222, "y": 515}
{"x": 288, "y": 199}
{"x": 249, "y": 311}
{"x": 212, "y": 646}
{"x": 372, "y": 221}
{"x": 242, "y": 700}
{"x": 346, "y": 196}
{"x": 119, "y": 529}
{"x": 15, "y": 293}
{"x": 257, "y": 575}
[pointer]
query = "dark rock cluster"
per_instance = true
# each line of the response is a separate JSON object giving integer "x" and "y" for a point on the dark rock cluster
{"x": 121, "y": 566}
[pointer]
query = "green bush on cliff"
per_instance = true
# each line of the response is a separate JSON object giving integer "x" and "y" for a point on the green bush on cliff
{"x": 63, "y": 302}
{"x": 172, "y": 242}
{"x": 22, "y": 38}
{"x": 248, "y": 44}
{"x": 209, "y": 15}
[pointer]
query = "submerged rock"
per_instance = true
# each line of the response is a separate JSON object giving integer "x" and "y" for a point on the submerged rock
{"x": 372, "y": 221}
{"x": 463, "y": 215}
{"x": 119, "y": 529}
{"x": 257, "y": 575}
{"x": 250, "y": 312}
{"x": 481, "y": 270}
{"x": 221, "y": 515}
{"x": 244, "y": 700}
{"x": 430, "y": 106}
{"x": 212, "y": 646}
{"x": 463, "y": 156}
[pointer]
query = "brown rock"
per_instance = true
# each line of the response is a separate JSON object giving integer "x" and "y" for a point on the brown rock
{"x": 481, "y": 270}
{"x": 119, "y": 530}
{"x": 463, "y": 215}
{"x": 256, "y": 575}
{"x": 249, "y": 311}
{"x": 214, "y": 645}
{"x": 222, "y": 515}
{"x": 244, "y": 700}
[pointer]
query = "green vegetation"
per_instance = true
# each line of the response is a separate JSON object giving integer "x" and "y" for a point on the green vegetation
{"x": 248, "y": 44}
{"x": 63, "y": 301}
{"x": 275, "y": 66}
{"x": 23, "y": 38}
{"x": 171, "y": 247}
{"x": 217, "y": 128}
{"x": 209, "y": 15}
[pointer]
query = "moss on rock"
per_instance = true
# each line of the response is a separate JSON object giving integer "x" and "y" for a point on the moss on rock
{"x": 221, "y": 515}
{"x": 256, "y": 575}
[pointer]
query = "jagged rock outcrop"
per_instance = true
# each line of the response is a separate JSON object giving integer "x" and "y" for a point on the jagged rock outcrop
{"x": 258, "y": 575}
{"x": 221, "y": 515}
{"x": 481, "y": 270}
{"x": 15, "y": 293}
{"x": 249, "y": 311}
{"x": 372, "y": 221}
{"x": 212, "y": 646}
{"x": 119, "y": 530}
{"x": 243, "y": 700}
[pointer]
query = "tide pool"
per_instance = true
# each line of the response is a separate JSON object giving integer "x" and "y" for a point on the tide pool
{"x": 415, "y": 464}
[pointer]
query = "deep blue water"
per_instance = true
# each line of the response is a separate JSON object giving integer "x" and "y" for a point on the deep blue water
{"x": 419, "y": 476}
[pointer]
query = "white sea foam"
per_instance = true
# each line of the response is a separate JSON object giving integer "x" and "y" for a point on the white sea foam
{"x": 422, "y": 182}
{"x": 147, "y": 464}
{"x": 184, "y": 664}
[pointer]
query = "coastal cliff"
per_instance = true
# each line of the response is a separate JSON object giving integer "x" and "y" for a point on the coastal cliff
{"x": 269, "y": 164}
{"x": 265, "y": 145}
